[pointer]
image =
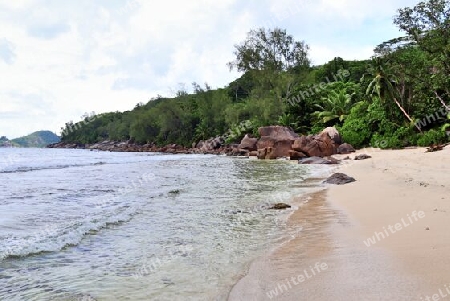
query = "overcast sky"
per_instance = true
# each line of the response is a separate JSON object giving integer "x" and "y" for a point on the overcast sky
{"x": 60, "y": 59}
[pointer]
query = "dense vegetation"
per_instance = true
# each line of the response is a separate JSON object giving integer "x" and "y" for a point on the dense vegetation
{"x": 36, "y": 139}
{"x": 397, "y": 98}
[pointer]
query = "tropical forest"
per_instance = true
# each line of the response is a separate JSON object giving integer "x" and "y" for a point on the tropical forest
{"x": 395, "y": 99}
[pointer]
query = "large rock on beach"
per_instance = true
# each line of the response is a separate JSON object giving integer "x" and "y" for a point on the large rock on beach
{"x": 275, "y": 142}
{"x": 267, "y": 153}
{"x": 249, "y": 143}
{"x": 210, "y": 144}
{"x": 280, "y": 206}
{"x": 339, "y": 179}
{"x": 316, "y": 146}
{"x": 253, "y": 153}
{"x": 277, "y": 132}
{"x": 318, "y": 160}
{"x": 333, "y": 133}
{"x": 345, "y": 149}
{"x": 295, "y": 155}
{"x": 362, "y": 157}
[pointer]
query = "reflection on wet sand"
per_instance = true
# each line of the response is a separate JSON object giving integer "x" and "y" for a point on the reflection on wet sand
{"x": 328, "y": 240}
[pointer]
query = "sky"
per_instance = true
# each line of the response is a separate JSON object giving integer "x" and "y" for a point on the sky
{"x": 61, "y": 59}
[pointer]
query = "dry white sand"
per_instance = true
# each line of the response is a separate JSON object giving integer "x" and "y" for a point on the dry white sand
{"x": 399, "y": 195}
{"x": 392, "y": 186}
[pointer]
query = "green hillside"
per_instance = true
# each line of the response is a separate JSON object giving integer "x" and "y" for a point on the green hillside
{"x": 395, "y": 99}
{"x": 36, "y": 139}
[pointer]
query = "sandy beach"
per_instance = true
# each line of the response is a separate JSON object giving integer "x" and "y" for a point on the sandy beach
{"x": 383, "y": 237}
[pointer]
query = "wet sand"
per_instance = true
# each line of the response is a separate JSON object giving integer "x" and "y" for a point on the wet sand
{"x": 411, "y": 264}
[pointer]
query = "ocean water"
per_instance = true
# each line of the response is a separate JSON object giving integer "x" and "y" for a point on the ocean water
{"x": 85, "y": 225}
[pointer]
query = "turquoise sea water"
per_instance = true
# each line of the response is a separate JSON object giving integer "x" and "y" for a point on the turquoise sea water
{"x": 81, "y": 225}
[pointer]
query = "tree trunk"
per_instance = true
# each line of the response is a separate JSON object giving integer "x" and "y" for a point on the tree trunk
{"x": 406, "y": 114}
{"x": 442, "y": 101}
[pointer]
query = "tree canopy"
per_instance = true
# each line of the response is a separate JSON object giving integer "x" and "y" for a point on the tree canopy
{"x": 272, "y": 50}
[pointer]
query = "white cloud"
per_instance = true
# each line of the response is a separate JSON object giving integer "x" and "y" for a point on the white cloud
{"x": 63, "y": 59}
{"x": 324, "y": 53}
{"x": 16, "y": 4}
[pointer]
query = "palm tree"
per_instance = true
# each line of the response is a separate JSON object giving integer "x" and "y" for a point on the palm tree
{"x": 336, "y": 106}
{"x": 382, "y": 86}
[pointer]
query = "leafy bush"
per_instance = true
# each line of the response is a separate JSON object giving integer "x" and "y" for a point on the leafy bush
{"x": 356, "y": 130}
{"x": 317, "y": 128}
{"x": 432, "y": 137}
{"x": 402, "y": 137}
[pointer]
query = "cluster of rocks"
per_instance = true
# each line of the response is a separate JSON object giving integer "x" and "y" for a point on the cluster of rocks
{"x": 127, "y": 146}
{"x": 281, "y": 142}
{"x": 275, "y": 142}
{"x": 66, "y": 145}
{"x": 212, "y": 146}
{"x": 278, "y": 142}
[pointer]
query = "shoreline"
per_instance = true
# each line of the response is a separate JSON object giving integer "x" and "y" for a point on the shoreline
{"x": 316, "y": 191}
{"x": 390, "y": 191}
{"x": 250, "y": 285}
